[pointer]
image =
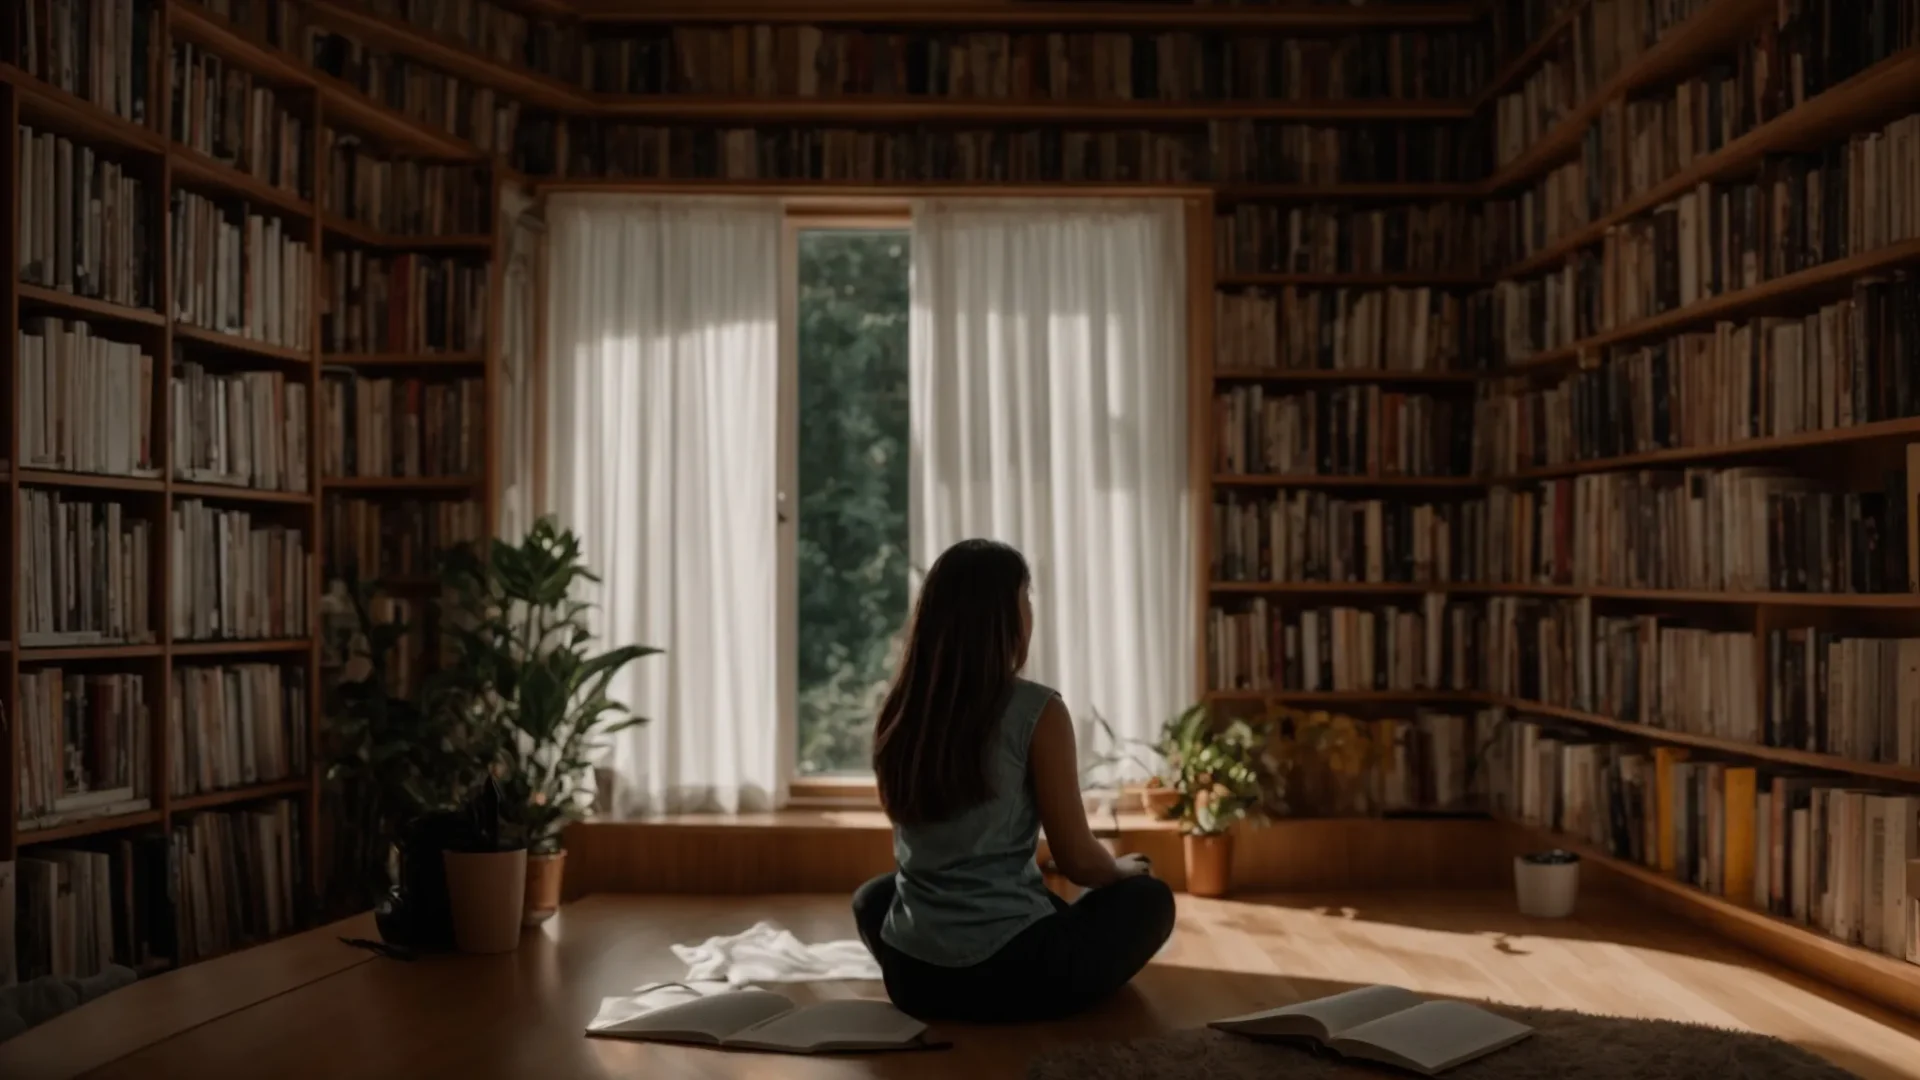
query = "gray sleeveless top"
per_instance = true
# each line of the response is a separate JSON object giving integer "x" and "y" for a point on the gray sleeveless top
{"x": 968, "y": 885}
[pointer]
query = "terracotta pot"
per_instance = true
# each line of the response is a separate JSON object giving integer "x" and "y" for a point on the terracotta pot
{"x": 487, "y": 894}
{"x": 1158, "y": 802}
{"x": 1209, "y": 860}
{"x": 544, "y": 874}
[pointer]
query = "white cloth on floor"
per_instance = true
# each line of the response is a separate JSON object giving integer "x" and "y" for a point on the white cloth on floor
{"x": 765, "y": 953}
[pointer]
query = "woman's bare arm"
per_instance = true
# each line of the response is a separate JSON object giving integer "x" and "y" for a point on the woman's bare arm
{"x": 1054, "y": 766}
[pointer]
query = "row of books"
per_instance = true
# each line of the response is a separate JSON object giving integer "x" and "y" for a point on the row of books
{"x": 402, "y": 427}
{"x": 1731, "y": 530}
{"x": 97, "y": 50}
{"x": 237, "y": 577}
{"x": 1605, "y": 36}
{"x": 493, "y": 30}
{"x": 1419, "y": 329}
{"x": 1800, "y": 688}
{"x": 1839, "y": 366}
{"x": 1260, "y": 238}
{"x": 1518, "y": 24}
{"x": 213, "y": 883}
{"x": 1311, "y": 536}
{"x": 87, "y": 226}
{"x": 240, "y": 273}
{"x": 787, "y": 61}
{"x": 1797, "y": 845}
{"x": 247, "y": 429}
{"x": 84, "y": 746}
{"x": 1429, "y": 762}
{"x": 85, "y": 571}
{"x": 1349, "y": 431}
{"x": 403, "y": 197}
{"x": 402, "y": 304}
{"x": 371, "y": 540}
{"x": 1263, "y": 646}
{"x": 480, "y": 115}
{"x": 1229, "y": 151}
{"x": 224, "y": 112}
{"x": 86, "y": 402}
{"x": 236, "y": 725}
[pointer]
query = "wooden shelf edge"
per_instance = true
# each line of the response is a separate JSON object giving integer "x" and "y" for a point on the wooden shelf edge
{"x": 1880, "y": 978}
{"x": 85, "y": 306}
{"x": 401, "y": 359}
{"x": 211, "y": 32}
{"x": 1832, "y": 763}
{"x": 78, "y": 116}
{"x": 241, "y": 344}
{"x": 199, "y": 168}
{"x": 207, "y": 800}
{"x": 685, "y": 108}
{"x": 237, "y": 493}
{"x": 1280, "y": 16}
{"x": 239, "y": 647}
{"x": 1354, "y": 280}
{"x": 1712, "y": 308}
{"x": 1856, "y": 433}
{"x": 54, "y": 654}
{"x": 58, "y": 478}
{"x": 74, "y": 830}
{"x": 1466, "y": 378}
{"x": 371, "y": 237}
{"x": 1319, "y": 481}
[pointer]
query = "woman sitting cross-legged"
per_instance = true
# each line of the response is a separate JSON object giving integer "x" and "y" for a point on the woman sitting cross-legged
{"x": 971, "y": 760}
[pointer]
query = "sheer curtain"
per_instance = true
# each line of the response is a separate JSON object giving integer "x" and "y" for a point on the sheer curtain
{"x": 663, "y": 347}
{"x": 1049, "y": 393}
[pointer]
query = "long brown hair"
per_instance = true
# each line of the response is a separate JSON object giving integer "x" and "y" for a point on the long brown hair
{"x": 931, "y": 742}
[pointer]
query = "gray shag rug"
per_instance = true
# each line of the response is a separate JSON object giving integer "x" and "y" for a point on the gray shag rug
{"x": 1564, "y": 1046}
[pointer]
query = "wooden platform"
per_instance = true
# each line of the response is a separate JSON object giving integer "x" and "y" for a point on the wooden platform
{"x": 522, "y": 1014}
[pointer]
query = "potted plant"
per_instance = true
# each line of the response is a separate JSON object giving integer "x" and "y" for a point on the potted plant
{"x": 395, "y": 753}
{"x": 1215, "y": 769}
{"x": 522, "y": 662}
{"x": 485, "y": 860}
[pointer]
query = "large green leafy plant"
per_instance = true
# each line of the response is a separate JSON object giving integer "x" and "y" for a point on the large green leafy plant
{"x": 394, "y": 752}
{"x": 521, "y": 664}
{"x": 1216, "y": 768}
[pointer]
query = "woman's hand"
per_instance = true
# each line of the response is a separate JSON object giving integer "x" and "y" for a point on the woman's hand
{"x": 1135, "y": 865}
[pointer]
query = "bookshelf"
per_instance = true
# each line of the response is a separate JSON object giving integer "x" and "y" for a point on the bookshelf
{"x": 214, "y": 360}
{"x": 1207, "y": 150}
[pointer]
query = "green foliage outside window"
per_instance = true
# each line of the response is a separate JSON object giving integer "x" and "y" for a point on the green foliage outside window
{"x": 852, "y": 504}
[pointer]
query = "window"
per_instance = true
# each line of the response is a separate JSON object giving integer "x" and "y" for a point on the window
{"x": 845, "y": 410}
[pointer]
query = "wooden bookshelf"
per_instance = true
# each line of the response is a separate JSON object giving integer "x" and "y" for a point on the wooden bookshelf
{"x": 1882, "y": 979}
{"x": 1705, "y": 34}
{"x": 1884, "y": 91}
{"x": 164, "y": 165}
{"x": 1286, "y": 15}
{"x": 1346, "y": 377}
{"x": 1455, "y": 279}
{"x": 934, "y": 109}
{"x": 1804, "y": 759}
{"x": 1319, "y": 481}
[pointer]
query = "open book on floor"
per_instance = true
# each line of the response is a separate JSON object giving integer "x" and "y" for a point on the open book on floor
{"x": 1388, "y": 1025}
{"x": 763, "y": 1020}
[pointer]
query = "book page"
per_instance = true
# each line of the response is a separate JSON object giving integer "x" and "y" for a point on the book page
{"x": 705, "y": 1020}
{"x": 1430, "y": 1037}
{"x": 829, "y": 1026}
{"x": 1324, "y": 1017}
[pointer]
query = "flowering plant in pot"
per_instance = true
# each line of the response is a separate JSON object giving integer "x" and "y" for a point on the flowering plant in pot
{"x": 521, "y": 660}
{"x": 1216, "y": 770}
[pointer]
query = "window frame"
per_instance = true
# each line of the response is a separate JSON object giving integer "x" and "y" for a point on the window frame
{"x": 802, "y": 215}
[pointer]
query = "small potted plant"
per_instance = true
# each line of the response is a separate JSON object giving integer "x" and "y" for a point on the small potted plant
{"x": 1215, "y": 771}
{"x": 521, "y": 660}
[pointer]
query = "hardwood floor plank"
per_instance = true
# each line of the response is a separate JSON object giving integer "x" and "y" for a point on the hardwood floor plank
{"x": 522, "y": 1014}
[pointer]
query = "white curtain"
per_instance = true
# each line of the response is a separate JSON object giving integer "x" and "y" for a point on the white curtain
{"x": 663, "y": 343}
{"x": 1049, "y": 392}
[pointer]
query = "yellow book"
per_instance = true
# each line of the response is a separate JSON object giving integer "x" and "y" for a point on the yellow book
{"x": 1664, "y": 758}
{"x": 1736, "y": 877}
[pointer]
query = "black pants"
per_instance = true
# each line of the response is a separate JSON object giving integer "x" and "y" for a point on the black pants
{"x": 1060, "y": 965}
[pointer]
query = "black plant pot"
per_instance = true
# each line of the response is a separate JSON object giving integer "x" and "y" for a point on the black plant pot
{"x": 415, "y": 912}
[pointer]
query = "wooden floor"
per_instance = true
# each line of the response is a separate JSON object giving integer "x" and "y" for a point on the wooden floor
{"x": 522, "y": 1014}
